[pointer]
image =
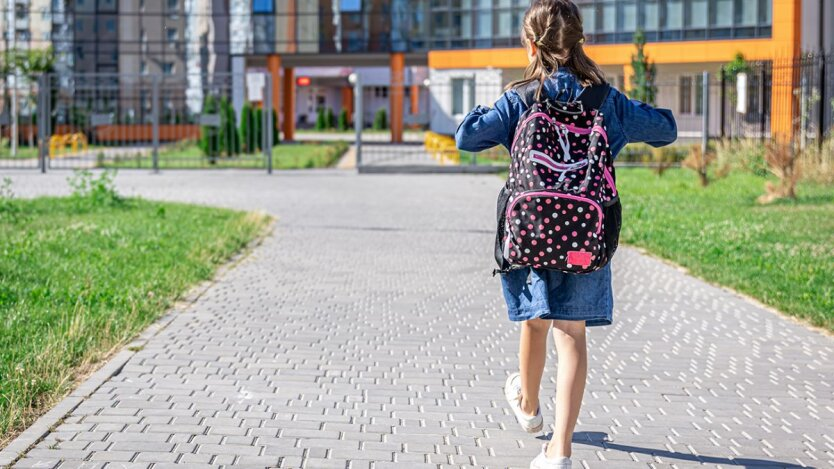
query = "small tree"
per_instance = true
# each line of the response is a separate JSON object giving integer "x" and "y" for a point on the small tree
{"x": 329, "y": 119}
{"x": 642, "y": 82}
{"x": 321, "y": 123}
{"x": 210, "y": 135}
{"x": 259, "y": 128}
{"x": 783, "y": 161}
{"x": 381, "y": 119}
{"x": 229, "y": 136}
{"x": 276, "y": 133}
{"x": 248, "y": 129}
{"x": 344, "y": 123}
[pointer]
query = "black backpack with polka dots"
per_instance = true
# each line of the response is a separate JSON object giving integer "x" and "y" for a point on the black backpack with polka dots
{"x": 559, "y": 208}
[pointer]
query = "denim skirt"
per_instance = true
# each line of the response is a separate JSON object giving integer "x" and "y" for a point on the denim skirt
{"x": 549, "y": 294}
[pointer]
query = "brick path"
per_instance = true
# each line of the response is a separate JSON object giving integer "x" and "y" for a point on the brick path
{"x": 367, "y": 332}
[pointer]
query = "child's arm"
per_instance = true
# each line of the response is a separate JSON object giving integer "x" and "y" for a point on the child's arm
{"x": 485, "y": 127}
{"x": 643, "y": 123}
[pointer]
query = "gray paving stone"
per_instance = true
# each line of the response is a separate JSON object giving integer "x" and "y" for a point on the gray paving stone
{"x": 366, "y": 330}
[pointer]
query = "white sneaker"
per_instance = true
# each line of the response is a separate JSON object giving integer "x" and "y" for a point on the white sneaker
{"x": 543, "y": 462}
{"x": 512, "y": 391}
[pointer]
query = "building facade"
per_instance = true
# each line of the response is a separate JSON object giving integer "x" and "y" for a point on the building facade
{"x": 464, "y": 50}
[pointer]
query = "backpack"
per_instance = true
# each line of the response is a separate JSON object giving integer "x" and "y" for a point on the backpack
{"x": 559, "y": 208}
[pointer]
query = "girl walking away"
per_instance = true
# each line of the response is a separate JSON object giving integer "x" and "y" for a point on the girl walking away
{"x": 559, "y": 211}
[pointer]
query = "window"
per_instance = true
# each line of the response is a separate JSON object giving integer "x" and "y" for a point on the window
{"x": 168, "y": 68}
{"x": 462, "y": 95}
{"x": 629, "y": 17}
{"x": 697, "y": 14}
{"x": 609, "y": 18}
{"x": 747, "y": 12}
{"x": 172, "y": 34}
{"x": 350, "y": 6}
{"x": 685, "y": 95}
{"x": 263, "y": 6}
{"x": 673, "y": 19}
{"x": 651, "y": 15}
{"x": 723, "y": 13}
{"x": 110, "y": 26}
{"x": 381, "y": 91}
{"x": 589, "y": 18}
{"x": 172, "y": 4}
{"x": 699, "y": 94}
{"x": 143, "y": 68}
{"x": 79, "y": 26}
{"x": 483, "y": 21}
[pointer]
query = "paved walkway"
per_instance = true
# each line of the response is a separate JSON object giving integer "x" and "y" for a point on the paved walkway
{"x": 367, "y": 332}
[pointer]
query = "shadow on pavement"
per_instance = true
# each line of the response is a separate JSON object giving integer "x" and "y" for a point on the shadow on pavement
{"x": 601, "y": 440}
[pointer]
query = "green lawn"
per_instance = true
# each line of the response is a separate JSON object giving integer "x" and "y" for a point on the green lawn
{"x": 782, "y": 254}
{"x": 284, "y": 156}
{"x": 78, "y": 279}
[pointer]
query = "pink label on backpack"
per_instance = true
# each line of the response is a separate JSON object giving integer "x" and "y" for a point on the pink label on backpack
{"x": 581, "y": 258}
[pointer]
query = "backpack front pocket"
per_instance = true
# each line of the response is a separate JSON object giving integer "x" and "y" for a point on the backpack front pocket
{"x": 549, "y": 229}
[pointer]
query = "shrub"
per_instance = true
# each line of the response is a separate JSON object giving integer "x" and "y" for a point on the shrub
{"x": 699, "y": 162}
{"x": 782, "y": 161}
{"x": 329, "y": 119}
{"x": 745, "y": 155}
{"x": 229, "y": 136}
{"x": 344, "y": 123}
{"x": 209, "y": 135}
{"x": 91, "y": 192}
{"x": 321, "y": 122}
{"x": 380, "y": 120}
{"x": 276, "y": 132}
{"x": 259, "y": 128}
{"x": 9, "y": 210}
{"x": 248, "y": 129}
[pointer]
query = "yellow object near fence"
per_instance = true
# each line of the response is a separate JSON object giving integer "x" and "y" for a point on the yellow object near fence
{"x": 67, "y": 145}
{"x": 442, "y": 148}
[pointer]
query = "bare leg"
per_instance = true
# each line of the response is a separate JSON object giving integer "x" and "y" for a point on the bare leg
{"x": 570, "y": 383}
{"x": 532, "y": 354}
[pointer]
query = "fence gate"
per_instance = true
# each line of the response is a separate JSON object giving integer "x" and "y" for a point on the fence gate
{"x": 154, "y": 122}
{"x": 427, "y": 144}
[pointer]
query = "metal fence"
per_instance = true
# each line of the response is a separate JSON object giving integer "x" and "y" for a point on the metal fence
{"x": 139, "y": 121}
{"x": 224, "y": 120}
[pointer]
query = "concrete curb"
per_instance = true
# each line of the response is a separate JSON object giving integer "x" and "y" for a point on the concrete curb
{"x": 30, "y": 437}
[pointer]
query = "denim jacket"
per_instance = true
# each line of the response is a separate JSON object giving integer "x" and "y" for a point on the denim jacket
{"x": 627, "y": 120}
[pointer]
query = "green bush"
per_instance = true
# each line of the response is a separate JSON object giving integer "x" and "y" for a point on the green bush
{"x": 276, "y": 132}
{"x": 329, "y": 119}
{"x": 344, "y": 123}
{"x": 259, "y": 127}
{"x": 321, "y": 122}
{"x": 90, "y": 192}
{"x": 248, "y": 129}
{"x": 229, "y": 136}
{"x": 209, "y": 135}
{"x": 381, "y": 119}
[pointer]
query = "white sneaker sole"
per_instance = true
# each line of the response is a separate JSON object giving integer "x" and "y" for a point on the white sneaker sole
{"x": 527, "y": 429}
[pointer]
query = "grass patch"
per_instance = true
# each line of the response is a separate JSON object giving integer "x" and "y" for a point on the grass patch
{"x": 188, "y": 156}
{"x": 80, "y": 276}
{"x": 781, "y": 254}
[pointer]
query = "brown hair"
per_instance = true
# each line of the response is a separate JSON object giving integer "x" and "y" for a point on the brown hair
{"x": 555, "y": 27}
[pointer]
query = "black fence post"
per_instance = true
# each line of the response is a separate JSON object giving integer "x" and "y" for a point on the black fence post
{"x": 44, "y": 116}
{"x": 823, "y": 105}
{"x": 762, "y": 110}
{"x": 155, "y": 122}
{"x": 723, "y": 117}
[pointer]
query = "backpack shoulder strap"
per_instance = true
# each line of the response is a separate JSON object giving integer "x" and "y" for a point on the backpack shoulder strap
{"x": 594, "y": 97}
{"x": 527, "y": 92}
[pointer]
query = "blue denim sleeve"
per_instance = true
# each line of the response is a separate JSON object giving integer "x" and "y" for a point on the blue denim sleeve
{"x": 640, "y": 122}
{"x": 485, "y": 127}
